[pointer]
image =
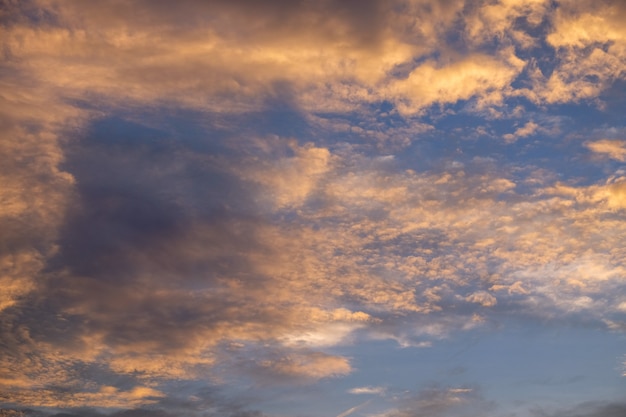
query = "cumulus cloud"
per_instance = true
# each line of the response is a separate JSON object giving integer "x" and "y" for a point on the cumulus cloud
{"x": 497, "y": 20}
{"x": 475, "y": 75}
{"x": 590, "y": 50}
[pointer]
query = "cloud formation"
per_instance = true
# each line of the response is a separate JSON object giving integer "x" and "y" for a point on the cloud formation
{"x": 229, "y": 194}
{"x": 589, "y": 410}
{"x": 438, "y": 401}
{"x": 614, "y": 149}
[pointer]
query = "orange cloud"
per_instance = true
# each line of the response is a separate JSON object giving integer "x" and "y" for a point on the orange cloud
{"x": 614, "y": 149}
{"x": 309, "y": 365}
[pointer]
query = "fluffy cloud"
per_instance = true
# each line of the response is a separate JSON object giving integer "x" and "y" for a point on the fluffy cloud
{"x": 497, "y": 20}
{"x": 318, "y": 56}
{"x": 527, "y": 130}
{"x": 292, "y": 178}
{"x": 590, "y": 49}
{"x": 483, "y": 298}
{"x": 476, "y": 75}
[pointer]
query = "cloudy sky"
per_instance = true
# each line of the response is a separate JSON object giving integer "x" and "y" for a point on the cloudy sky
{"x": 314, "y": 208}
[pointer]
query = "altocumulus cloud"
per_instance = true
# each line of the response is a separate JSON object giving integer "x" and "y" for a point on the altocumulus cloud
{"x": 206, "y": 204}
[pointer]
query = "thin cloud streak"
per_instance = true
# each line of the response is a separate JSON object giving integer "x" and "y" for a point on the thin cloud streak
{"x": 354, "y": 409}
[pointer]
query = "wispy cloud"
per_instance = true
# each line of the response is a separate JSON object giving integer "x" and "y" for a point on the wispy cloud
{"x": 354, "y": 409}
{"x": 614, "y": 149}
{"x": 367, "y": 390}
{"x": 439, "y": 401}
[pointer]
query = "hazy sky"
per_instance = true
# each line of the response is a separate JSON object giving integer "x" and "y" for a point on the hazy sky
{"x": 313, "y": 208}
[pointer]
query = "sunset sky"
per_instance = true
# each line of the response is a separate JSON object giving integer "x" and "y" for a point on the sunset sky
{"x": 312, "y": 208}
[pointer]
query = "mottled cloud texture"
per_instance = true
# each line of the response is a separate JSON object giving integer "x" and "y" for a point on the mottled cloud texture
{"x": 207, "y": 208}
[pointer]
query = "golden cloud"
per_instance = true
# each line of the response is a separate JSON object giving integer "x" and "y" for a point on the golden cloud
{"x": 313, "y": 365}
{"x": 613, "y": 148}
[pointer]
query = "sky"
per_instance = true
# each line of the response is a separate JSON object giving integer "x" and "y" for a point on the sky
{"x": 331, "y": 208}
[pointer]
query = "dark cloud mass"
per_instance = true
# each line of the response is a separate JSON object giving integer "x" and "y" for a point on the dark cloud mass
{"x": 253, "y": 209}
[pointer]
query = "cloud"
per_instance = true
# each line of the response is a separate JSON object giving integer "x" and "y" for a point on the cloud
{"x": 367, "y": 390}
{"x": 584, "y": 67}
{"x": 313, "y": 365}
{"x": 146, "y": 284}
{"x": 591, "y": 409}
{"x": 152, "y": 282}
{"x": 35, "y": 190}
{"x": 442, "y": 401}
{"x": 322, "y": 50}
{"x": 527, "y": 130}
{"x": 353, "y": 409}
{"x": 106, "y": 397}
{"x": 292, "y": 178}
{"x": 475, "y": 75}
{"x": 318, "y": 57}
{"x": 614, "y": 149}
{"x": 184, "y": 234}
{"x": 497, "y": 20}
{"x": 483, "y": 298}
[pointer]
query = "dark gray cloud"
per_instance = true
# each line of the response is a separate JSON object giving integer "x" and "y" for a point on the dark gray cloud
{"x": 157, "y": 263}
{"x": 190, "y": 400}
{"x": 150, "y": 225}
{"x": 359, "y": 22}
{"x": 591, "y": 409}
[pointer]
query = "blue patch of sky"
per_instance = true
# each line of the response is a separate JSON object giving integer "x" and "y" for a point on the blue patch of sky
{"x": 614, "y": 98}
{"x": 513, "y": 365}
{"x": 558, "y": 145}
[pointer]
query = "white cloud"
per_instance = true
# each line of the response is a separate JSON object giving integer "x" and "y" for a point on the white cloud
{"x": 367, "y": 390}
